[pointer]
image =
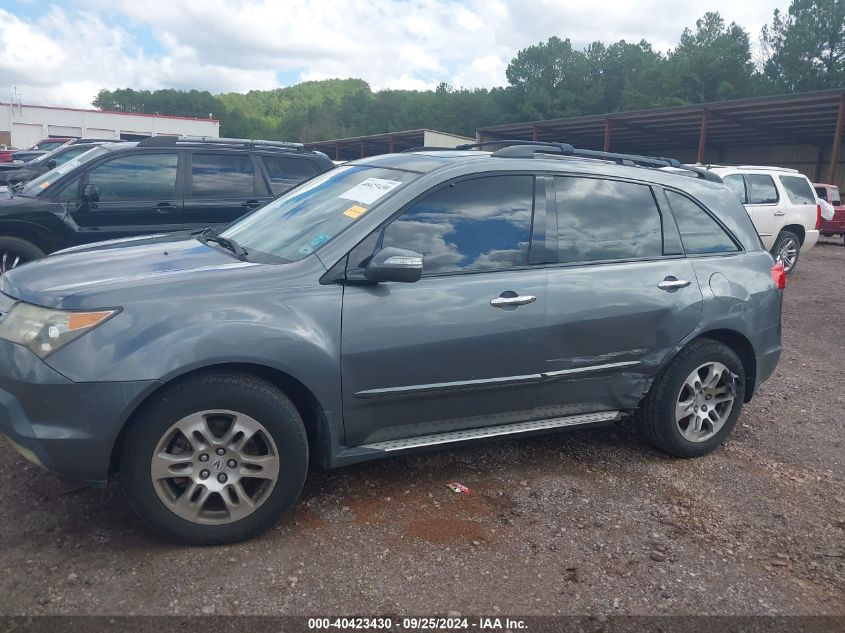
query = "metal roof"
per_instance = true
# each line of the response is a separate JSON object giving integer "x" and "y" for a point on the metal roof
{"x": 808, "y": 118}
{"x": 373, "y": 144}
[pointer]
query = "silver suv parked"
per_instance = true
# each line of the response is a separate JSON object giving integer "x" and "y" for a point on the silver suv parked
{"x": 393, "y": 304}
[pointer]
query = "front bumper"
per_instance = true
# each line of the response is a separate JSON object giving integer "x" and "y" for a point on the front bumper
{"x": 68, "y": 428}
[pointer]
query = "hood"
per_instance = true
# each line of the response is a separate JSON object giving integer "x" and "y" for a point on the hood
{"x": 113, "y": 265}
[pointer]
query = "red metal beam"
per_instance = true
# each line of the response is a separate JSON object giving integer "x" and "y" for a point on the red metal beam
{"x": 702, "y": 137}
{"x": 837, "y": 137}
{"x": 607, "y": 130}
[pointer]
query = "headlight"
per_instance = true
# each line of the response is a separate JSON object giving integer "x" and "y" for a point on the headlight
{"x": 44, "y": 330}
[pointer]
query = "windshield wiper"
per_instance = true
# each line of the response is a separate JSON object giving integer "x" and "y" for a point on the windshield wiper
{"x": 207, "y": 235}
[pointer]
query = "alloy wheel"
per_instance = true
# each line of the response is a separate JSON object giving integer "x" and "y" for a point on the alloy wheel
{"x": 705, "y": 402}
{"x": 788, "y": 253}
{"x": 215, "y": 467}
{"x": 8, "y": 261}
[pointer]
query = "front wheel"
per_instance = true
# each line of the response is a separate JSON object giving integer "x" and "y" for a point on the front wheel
{"x": 786, "y": 250}
{"x": 14, "y": 251}
{"x": 214, "y": 459}
{"x": 694, "y": 403}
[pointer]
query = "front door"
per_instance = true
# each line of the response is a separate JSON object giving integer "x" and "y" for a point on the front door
{"x": 138, "y": 195}
{"x": 222, "y": 188}
{"x": 461, "y": 347}
{"x": 619, "y": 300}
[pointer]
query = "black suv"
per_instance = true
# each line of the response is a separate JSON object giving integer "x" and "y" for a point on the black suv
{"x": 158, "y": 185}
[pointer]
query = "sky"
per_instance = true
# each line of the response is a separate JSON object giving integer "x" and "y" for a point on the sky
{"x": 63, "y": 53}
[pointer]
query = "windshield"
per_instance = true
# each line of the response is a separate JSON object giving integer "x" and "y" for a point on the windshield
{"x": 48, "y": 145}
{"x": 61, "y": 154}
{"x": 301, "y": 221}
{"x": 37, "y": 185}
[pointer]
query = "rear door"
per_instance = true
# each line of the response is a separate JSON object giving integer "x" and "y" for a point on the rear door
{"x": 138, "y": 195}
{"x": 765, "y": 207}
{"x": 222, "y": 186}
{"x": 620, "y": 297}
{"x": 447, "y": 353}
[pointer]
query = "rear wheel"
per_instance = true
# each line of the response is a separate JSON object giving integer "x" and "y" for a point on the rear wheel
{"x": 786, "y": 250}
{"x": 14, "y": 251}
{"x": 214, "y": 459}
{"x": 694, "y": 403}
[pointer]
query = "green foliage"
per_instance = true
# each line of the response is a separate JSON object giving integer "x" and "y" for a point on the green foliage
{"x": 803, "y": 50}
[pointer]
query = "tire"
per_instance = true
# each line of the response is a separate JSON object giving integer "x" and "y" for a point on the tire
{"x": 199, "y": 508}
{"x": 16, "y": 252}
{"x": 656, "y": 416}
{"x": 782, "y": 252}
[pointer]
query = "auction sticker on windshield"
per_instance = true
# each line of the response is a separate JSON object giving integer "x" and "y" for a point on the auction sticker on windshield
{"x": 369, "y": 190}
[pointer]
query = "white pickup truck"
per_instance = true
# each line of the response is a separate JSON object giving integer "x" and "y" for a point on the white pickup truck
{"x": 782, "y": 204}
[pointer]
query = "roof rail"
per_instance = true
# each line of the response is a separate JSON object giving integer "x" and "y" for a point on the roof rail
{"x": 530, "y": 149}
{"x": 162, "y": 141}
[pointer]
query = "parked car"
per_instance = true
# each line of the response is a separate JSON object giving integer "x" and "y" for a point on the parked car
{"x": 396, "y": 303}
{"x": 6, "y": 152}
{"x": 830, "y": 194}
{"x": 41, "y": 147}
{"x": 45, "y": 163}
{"x": 159, "y": 185}
{"x": 18, "y": 164}
{"x": 782, "y": 204}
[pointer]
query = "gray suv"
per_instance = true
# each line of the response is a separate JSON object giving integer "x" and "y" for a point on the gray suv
{"x": 396, "y": 303}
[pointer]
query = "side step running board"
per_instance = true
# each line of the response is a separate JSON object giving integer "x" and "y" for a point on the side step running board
{"x": 491, "y": 431}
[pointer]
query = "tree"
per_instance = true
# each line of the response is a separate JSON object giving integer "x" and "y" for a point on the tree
{"x": 805, "y": 49}
{"x": 712, "y": 63}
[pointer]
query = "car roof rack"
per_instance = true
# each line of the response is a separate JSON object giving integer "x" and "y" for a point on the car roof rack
{"x": 164, "y": 141}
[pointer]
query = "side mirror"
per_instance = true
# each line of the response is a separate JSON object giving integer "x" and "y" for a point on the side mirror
{"x": 51, "y": 164}
{"x": 394, "y": 264}
{"x": 90, "y": 196}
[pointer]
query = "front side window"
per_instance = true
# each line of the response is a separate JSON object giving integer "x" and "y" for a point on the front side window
{"x": 301, "y": 221}
{"x": 761, "y": 189}
{"x": 137, "y": 177}
{"x": 798, "y": 189}
{"x": 222, "y": 175}
{"x": 821, "y": 192}
{"x": 605, "y": 220}
{"x": 700, "y": 233}
{"x": 737, "y": 184}
{"x": 474, "y": 225}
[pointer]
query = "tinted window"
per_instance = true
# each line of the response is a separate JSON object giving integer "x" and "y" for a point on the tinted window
{"x": 798, "y": 189}
{"x": 64, "y": 157}
{"x": 222, "y": 175}
{"x": 821, "y": 192}
{"x": 473, "y": 225}
{"x": 70, "y": 191}
{"x": 139, "y": 177}
{"x": 700, "y": 233}
{"x": 284, "y": 171}
{"x": 737, "y": 184}
{"x": 761, "y": 189}
{"x": 604, "y": 219}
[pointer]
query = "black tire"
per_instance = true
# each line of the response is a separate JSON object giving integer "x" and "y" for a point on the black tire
{"x": 243, "y": 393}
{"x": 16, "y": 248}
{"x": 656, "y": 415}
{"x": 782, "y": 238}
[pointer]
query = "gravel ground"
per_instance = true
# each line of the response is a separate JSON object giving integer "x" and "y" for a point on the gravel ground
{"x": 589, "y": 521}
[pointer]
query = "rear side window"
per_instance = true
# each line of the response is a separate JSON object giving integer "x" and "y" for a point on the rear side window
{"x": 136, "y": 177}
{"x": 222, "y": 175}
{"x": 821, "y": 192}
{"x": 285, "y": 172}
{"x": 761, "y": 189}
{"x": 798, "y": 189}
{"x": 737, "y": 184}
{"x": 474, "y": 225}
{"x": 605, "y": 220}
{"x": 700, "y": 233}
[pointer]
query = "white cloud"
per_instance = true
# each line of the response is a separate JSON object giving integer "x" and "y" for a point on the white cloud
{"x": 65, "y": 54}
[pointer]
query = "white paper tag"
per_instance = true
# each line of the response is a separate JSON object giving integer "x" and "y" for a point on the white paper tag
{"x": 369, "y": 190}
{"x": 63, "y": 169}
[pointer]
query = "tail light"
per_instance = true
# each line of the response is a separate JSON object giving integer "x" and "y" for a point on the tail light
{"x": 818, "y": 216}
{"x": 779, "y": 276}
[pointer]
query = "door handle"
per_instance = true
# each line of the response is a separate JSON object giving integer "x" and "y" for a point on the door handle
{"x": 164, "y": 207}
{"x": 780, "y": 213}
{"x": 518, "y": 300}
{"x": 673, "y": 283}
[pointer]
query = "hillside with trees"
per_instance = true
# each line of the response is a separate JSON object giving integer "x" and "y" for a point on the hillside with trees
{"x": 802, "y": 49}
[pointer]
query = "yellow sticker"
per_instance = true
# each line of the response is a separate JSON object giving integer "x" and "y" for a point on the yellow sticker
{"x": 355, "y": 211}
{"x": 44, "y": 185}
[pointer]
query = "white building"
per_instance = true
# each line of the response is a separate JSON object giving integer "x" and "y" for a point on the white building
{"x": 22, "y": 126}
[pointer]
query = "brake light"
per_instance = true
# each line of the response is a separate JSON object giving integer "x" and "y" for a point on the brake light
{"x": 818, "y": 216}
{"x": 779, "y": 276}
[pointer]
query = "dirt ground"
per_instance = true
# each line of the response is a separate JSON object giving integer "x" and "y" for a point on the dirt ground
{"x": 588, "y": 521}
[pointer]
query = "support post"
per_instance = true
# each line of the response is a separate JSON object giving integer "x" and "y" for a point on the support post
{"x": 336, "y": 150}
{"x": 534, "y": 133}
{"x": 702, "y": 138}
{"x": 837, "y": 137}
{"x": 390, "y": 144}
{"x": 607, "y": 132}
{"x": 362, "y": 148}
